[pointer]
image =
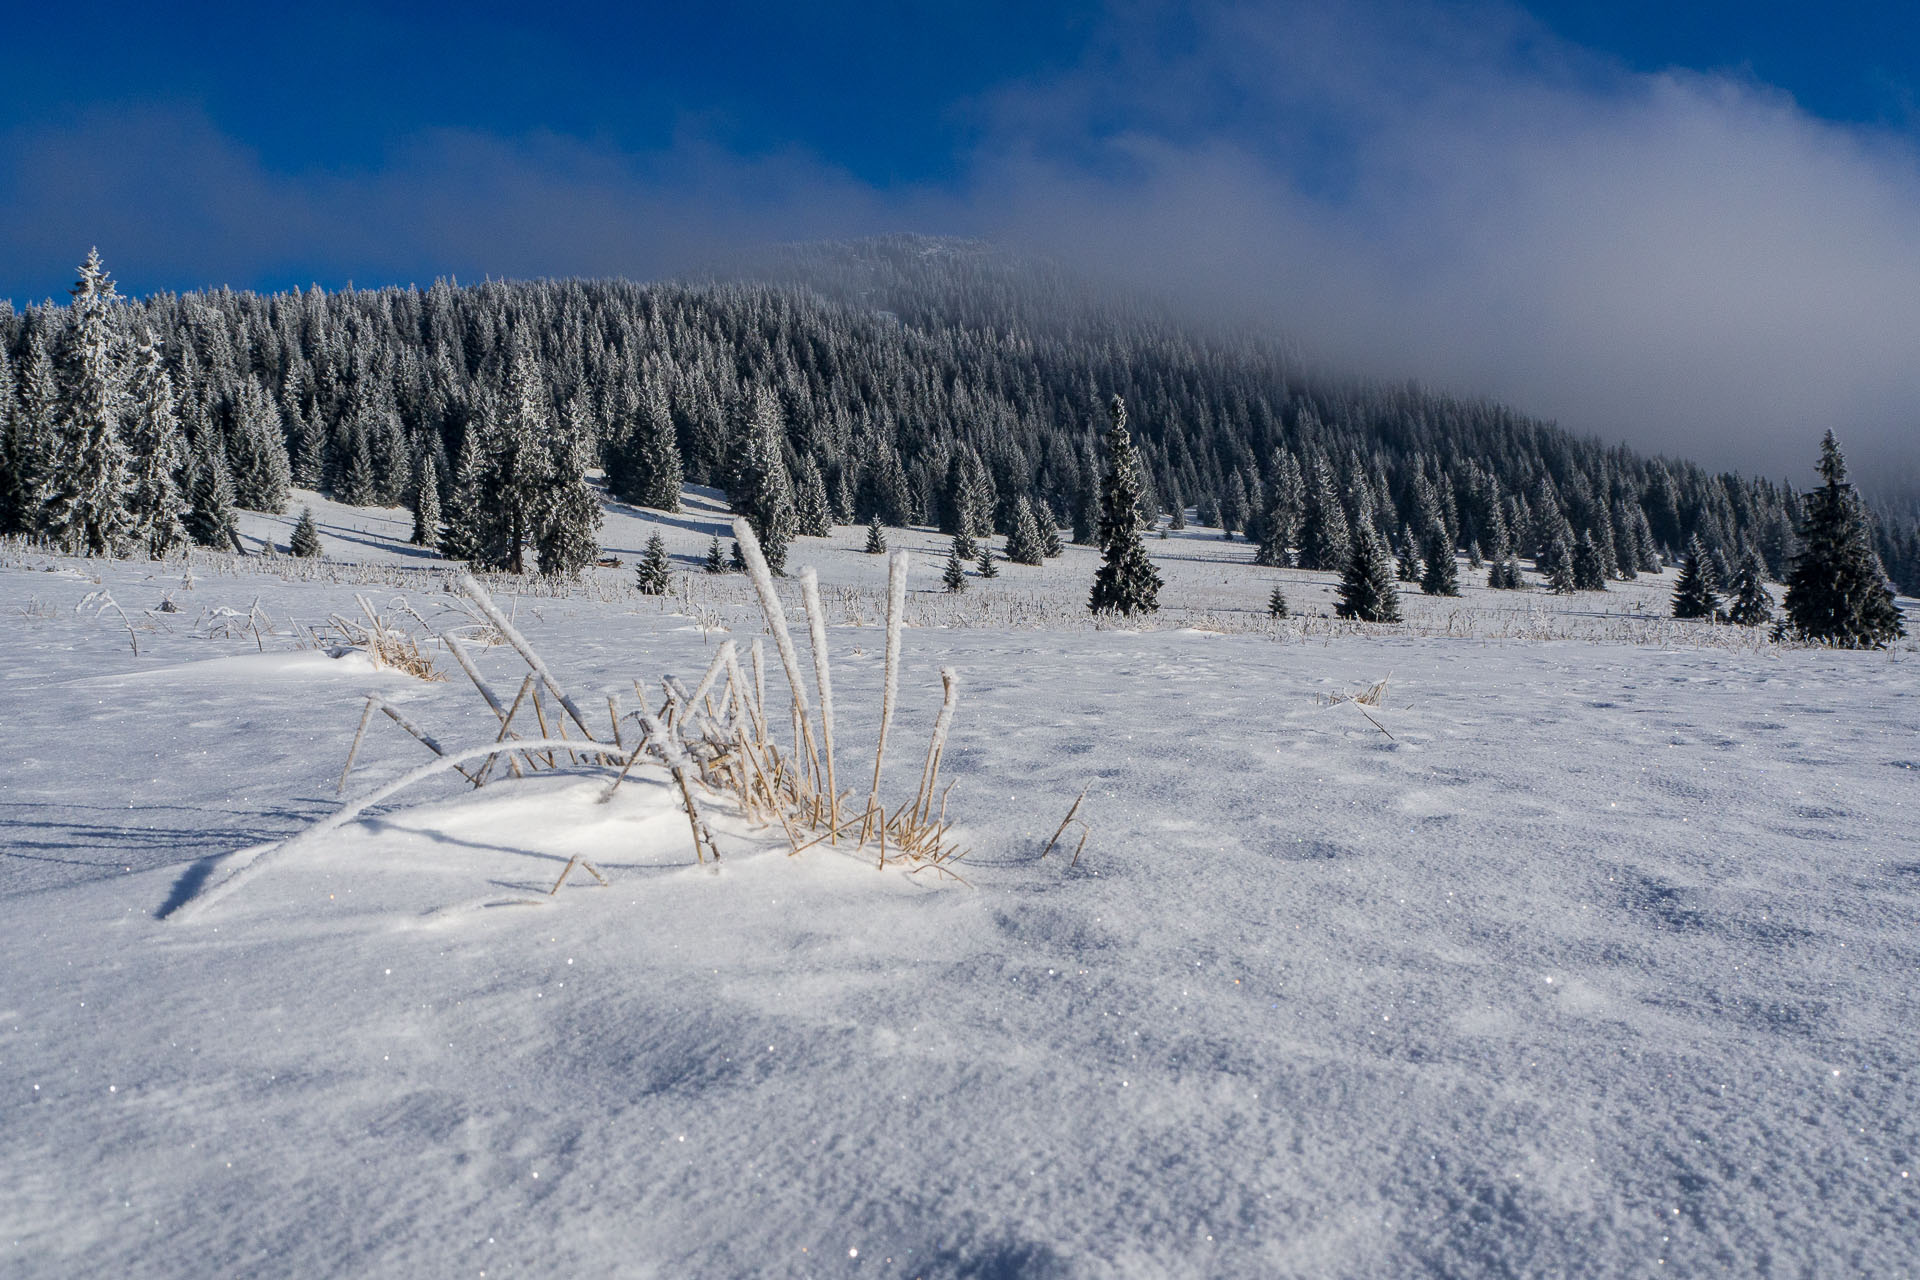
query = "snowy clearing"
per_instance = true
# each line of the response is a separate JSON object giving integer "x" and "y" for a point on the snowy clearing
{"x": 1577, "y": 956}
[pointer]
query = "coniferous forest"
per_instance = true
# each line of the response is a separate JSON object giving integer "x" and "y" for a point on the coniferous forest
{"x": 901, "y": 380}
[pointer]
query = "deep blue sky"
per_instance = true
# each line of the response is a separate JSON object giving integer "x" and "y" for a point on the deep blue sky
{"x": 1690, "y": 225}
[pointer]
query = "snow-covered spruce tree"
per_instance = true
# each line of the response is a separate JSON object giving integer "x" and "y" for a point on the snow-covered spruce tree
{"x": 426, "y": 501}
{"x": 519, "y": 462}
{"x": 1555, "y": 563}
{"x": 1722, "y": 571}
{"x": 813, "y": 511}
{"x": 1440, "y": 576}
{"x": 1277, "y": 603}
{"x": 955, "y": 574}
{"x": 1752, "y": 606}
{"x": 736, "y": 562}
{"x": 716, "y": 561}
{"x": 306, "y": 536}
{"x": 1024, "y": 544}
{"x": 1325, "y": 540}
{"x": 465, "y": 528}
{"x": 1586, "y": 565}
{"x": 11, "y": 513}
{"x": 654, "y": 575}
{"x": 358, "y": 485}
{"x": 876, "y": 538}
{"x": 158, "y": 454}
{"x": 210, "y": 520}
{"x": 1474, "y": 559}
{"x": 988, "y": 568}
{"x": 1126, "y": 581}
{"x": 31, "y": 455}
{"x": 761, "y": 490}
{"x": 308, "y": 455}
{"x": 644, "y": 466}
{"x": 1693, "y": 595}
{"x": 1366, "y": 591}
{"x": 84, "y": 510}
{"x": 567, "y": 519}
{"x": 257, "y": 450}
{"x": 1837, "y": 592}
{"x": 1406, "y": 563}
{"x": 1049, "y": 531}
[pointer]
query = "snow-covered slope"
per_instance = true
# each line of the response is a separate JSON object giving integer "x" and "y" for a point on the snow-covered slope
{"x": 1579, "y": 957}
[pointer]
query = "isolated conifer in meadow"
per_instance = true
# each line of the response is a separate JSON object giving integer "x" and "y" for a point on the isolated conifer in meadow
{"x": 654, "y": 574}
{"x": 210, "y": 519}
{"x": 1126, "y": 581}
{"x": 306, "y": 536}
{"x": 157, "y": 452}
{"x": 1406, "y": 564}
{"x": 1441, "y": 576}
{"x": 736, "y": 562}
{"x": 955, "y": 574}
{"x": 1024, "y": 544}
{"x": 1277, "y": 603}
{"x": 85, "y": 506}
{"x": 1366, "y": 591}
{"x": 988, "y": 569}
{"x": 1049, "y": 531}
{"x": 1752, "y": 606}
{"x": 426, "y": 503}
{"x": 1837, "y": 591}
{"x": 876, "y": 538}
{"x": 1694, "y": 596}
{"x": 1586, "y": 567}
{"x": 716, "y": 561}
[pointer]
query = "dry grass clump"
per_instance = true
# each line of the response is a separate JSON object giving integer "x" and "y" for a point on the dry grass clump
{"x": 390, "y": 646}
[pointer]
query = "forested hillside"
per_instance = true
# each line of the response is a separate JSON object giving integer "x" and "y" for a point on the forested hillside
{"x": 916, "y": 380}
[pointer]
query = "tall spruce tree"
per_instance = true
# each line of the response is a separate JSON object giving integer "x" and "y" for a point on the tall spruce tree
{"x": 257, "y": 450}
{"x": 1126, "y": 581}
{"x": 30, "y": 455}
{"x": 158, "y": 455}
{"x": 1406, "y": 561}
{"x": 1366, "y": 592}
{"x": 1325, "y": 540}
{"x": 1752, "y": 606}
{"x": 1049, "y": 531}
{"x": 1587, "y": 565}
{"x": 644, "y": 467}
{"x": 84, "y": 509}
{"x": 1837, "y": 591}
{"x": 1440, "y": 576}
{"x": 1024, "y": 545}
{"x": 762, "y": 491}
{"x": 15, "y": 504}
{"x": 210, "y": 519}
{"x": 426, "y": 501}
{"x": 567, "y": 515}
{"x": 1693, "y": 595}
{"x": 813, "y": 510}
{"x": 466, "y": 528}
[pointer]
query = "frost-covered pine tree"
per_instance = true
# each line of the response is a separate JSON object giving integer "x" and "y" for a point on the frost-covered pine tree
{"x": 1440, "y": 576}
{"x": 567, "y": 517}
{"x": 257, "y": 450}
{"x": 716, "y": 561}
{"x": 520, "y": 460}
{"x": 876, "y": 538}
{"x": 1325, "y": 540}
{"x": 645, "y": 467}
{"x": 1752, "y": 606}
{"x": 1587, "y": 565}
{"x": 84, "y": 509}
{"x": 157, "y": 453}
{"x": 955, "y": 574}
{"x": 426, "y": 501}
{"x": 1277, "y": 603}
{"x": 210, "y": 519}
{"x": 1693, "y": 595}
{"x": 1049, "y": 531}
{"x": 813, "y": 511}
{"x": 15, "y": 492}
{"x": 1024, "y": 544}
{"x": 466, "y": 528}
{"x": 1837, "y": 591}
{"x": 988, "y": 569}
{"x": 1555, "y": 562}
{"x": 1126, "y": 581}
{"x": 762, "y": 491}
{"x": 306, "y": 536}
{"x": 654, "y": 575}
{"x": 1366, "y": 591}
{"x": 1406, "y": 564}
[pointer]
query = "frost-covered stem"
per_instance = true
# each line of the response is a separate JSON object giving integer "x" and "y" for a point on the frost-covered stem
{"x": 897, "y": 565}
{"x": 460, "y": 656}
{"x": 506, "y": 727}
{"x": 478, "y": 594}
{"x": 421, "y": 735}
{"x": 714, "y": 668}
{"x": 749, "y": 709}
{"x": 930, "y": 774}
{"x": 675, "y": 758}
{"x": 782, "y": 638}
{"x": 439, "y": 764}
{"x": 823, "y": 676}
{"x": 373, "y": 702}
{"x": 760, "y": 686}
{"x": 613, "y": 718}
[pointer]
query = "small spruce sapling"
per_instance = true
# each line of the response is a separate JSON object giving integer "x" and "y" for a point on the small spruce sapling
{"x": 955, "y": 574}
{"x": 988, "y": 569}
{"x": 654, "y": 574}
{"x": 1277, "y": 603}
{"x": 306, "y": 536}
{"x": 876, "y": 538}
{"x": 1752, "y": 606}
{"x": 716, "y": 558}
{"x": 1407, "y": 564}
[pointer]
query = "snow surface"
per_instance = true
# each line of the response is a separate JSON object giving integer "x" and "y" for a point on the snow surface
{"x": 1591, "y": 956}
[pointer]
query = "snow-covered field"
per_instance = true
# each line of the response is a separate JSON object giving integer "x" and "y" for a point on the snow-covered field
{"x": 1592, "y": 952}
